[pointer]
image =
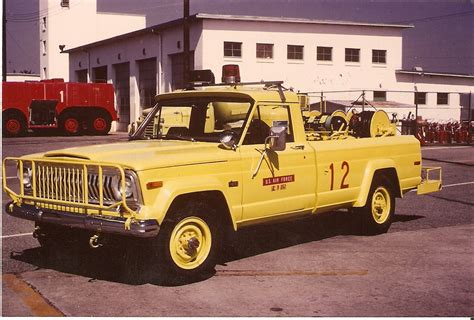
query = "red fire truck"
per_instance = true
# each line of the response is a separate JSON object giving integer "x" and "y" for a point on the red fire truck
{"x": 74, "y": 108}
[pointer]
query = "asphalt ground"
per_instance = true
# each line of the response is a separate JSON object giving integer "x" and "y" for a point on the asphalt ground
{"x": 313, "y": 267}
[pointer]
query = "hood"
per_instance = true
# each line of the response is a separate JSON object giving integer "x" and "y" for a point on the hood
{"x": 146, "y": 154}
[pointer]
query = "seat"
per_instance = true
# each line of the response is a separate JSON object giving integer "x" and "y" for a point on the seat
{"x": 257, "y": 133}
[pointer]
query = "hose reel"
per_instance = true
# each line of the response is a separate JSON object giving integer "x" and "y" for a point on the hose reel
{"x": 328, "y": 122}
{"x": 371, "y": 124}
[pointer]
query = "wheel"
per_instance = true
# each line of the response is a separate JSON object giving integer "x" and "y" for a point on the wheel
{"x": 377, "y": 214}
{"x": 187, "y": 244}
{"x": 13, "y": 125}
{"x": 70, "y": 124}
{"x": 100, "y": 125}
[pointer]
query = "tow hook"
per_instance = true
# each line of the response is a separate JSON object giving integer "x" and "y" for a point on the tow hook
{"x": 37, "y": 232}
{"x": 94, "y": 242}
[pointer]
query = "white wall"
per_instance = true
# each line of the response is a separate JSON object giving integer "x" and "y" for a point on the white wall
{"x": 74, "y": 26}
{"x": 21, "y": 77}
{"x": 433, "y": 85}
{"x": 309, "y": 74}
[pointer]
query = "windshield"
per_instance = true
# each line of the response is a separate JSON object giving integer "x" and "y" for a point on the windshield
{"x": 196, "y": 119}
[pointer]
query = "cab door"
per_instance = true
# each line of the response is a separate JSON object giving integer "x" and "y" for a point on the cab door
{"x": 275, "y": 182}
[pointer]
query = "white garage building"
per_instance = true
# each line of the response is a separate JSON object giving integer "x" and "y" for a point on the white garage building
{"x": 337, "y": 58}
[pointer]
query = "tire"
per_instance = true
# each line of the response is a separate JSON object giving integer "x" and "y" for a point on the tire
{"x": 14, "y": 125}
{"x": 70, "y": 124}
{"x": 187, "y": 244}
{"x": 100, "y": 124}
{"x": 377, "y": 214}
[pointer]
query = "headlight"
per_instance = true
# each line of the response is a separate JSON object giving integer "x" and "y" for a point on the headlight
{"x": 117, "y": 187}
{"x": 128, "y": 187}
{"x": 27, "y": 177}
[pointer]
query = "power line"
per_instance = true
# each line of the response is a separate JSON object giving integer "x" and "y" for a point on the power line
{"x": 437, "y": 17}
{"x": 155, "y": 7}
{"x": 19, "y": 46}
{"x": 38, "y": 16}
{"x": 35, "y": 16}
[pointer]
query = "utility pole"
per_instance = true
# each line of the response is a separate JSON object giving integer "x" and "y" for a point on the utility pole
{"x": 186, "y": 43}
{"x": 4, "y": 41}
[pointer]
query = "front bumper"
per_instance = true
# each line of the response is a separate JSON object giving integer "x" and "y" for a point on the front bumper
{"x": 96, "y": 223}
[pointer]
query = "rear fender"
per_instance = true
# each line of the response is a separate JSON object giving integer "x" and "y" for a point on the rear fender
{"x": 370, "y": 171}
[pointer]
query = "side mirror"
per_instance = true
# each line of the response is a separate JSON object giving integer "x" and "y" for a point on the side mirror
{"x": 277, "y": 138}
{"x": 276, "y": 141}
{"x": 228, "y": 139}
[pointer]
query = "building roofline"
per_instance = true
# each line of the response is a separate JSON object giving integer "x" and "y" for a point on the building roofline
{"x": 435, "y": 74}
{"x": 153, "y": 30}
{"x": 202, "y": 16}
{"x": 23, "y": 74}
{"x": 298, "y": 20}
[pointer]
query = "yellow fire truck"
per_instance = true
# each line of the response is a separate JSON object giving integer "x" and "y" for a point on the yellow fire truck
{"x": 239, "y": 154}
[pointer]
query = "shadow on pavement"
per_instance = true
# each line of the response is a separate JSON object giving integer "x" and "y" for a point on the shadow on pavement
{"x": 124, "y": 264}
{"x": 406, "y": 218}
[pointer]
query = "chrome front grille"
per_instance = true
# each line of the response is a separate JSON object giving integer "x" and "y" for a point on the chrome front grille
{"x": 65, "y": 183}
{"x": 73, "y": 186}
{"x": 94, "y": 188}
{"x": 53, "y": 182}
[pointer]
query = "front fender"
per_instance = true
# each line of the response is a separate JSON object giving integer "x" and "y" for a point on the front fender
{"x": 181, "y": 186}
{"x": 372, "y": 167}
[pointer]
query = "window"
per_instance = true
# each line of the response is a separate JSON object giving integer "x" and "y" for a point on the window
{"x": 65, "y": 3}
{"x": 442, "y": 98}
{"x": 295, "y": 52}
{"x": 380, "y": 95}
{"x": 233, "y": 49}
{"x": 45, "y": 73}
{"x": 264, "y": 51}
{"x": 324, "y": 54}
{"x": 200, "y": 119}
{"x": 420, "y": 97}
{"x": 43, "y": 47}
{"x": 263, "y": 119}
{"x": 43, "y": 24}
{"x": 379, "y": 56}
{"x": 352, "y": 55}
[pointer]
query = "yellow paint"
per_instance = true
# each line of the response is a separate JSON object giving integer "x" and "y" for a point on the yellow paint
{"x": 381, "y": 205}
{"x": 190, "y": 243}
{"x": 316, "y": 172}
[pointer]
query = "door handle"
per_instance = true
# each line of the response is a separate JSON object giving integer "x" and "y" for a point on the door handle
{"x": 298, "y": 147}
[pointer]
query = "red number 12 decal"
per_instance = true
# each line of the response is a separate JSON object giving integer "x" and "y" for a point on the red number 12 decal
{"x": 344, "y": 166}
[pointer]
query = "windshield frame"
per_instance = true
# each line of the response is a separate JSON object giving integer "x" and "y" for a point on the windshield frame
{"x": 189, "y": 101}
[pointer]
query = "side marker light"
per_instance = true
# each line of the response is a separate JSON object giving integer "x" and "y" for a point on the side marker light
{"x": 154, "y": 184}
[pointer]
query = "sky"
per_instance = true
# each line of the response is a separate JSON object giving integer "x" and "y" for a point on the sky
{"x": 442, "y": 39}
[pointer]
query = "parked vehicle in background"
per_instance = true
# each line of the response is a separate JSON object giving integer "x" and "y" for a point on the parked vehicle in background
{"x": 73, "y": 108}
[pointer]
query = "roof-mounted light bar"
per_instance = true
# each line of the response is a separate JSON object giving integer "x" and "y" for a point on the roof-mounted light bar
{"x": 230, "y": 77}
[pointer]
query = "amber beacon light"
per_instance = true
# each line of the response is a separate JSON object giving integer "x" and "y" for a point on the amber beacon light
{"x": 230, "y": 73}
